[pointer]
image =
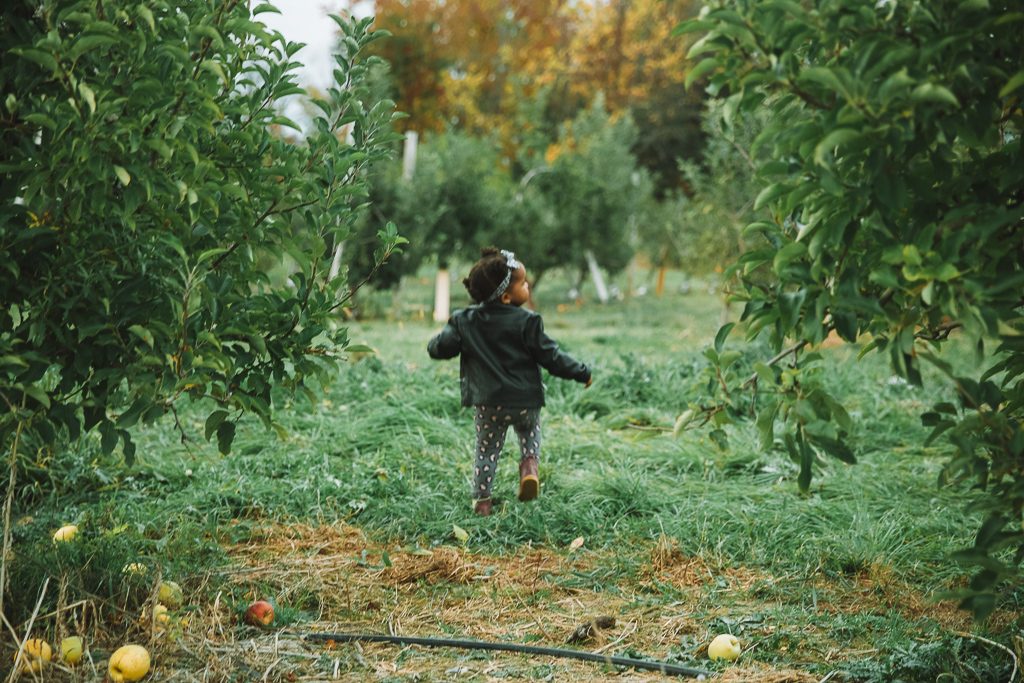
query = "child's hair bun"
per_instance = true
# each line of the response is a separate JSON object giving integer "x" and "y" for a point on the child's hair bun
{"x": 486, "y": 274}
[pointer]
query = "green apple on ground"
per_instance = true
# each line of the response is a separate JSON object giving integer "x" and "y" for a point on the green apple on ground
{"x": 128, "y": 663}
{"x": 71, "y": 649}
{"x": 65, "y": 533}
{"x": 724, "y": 647}
{"x": 170, "y": 594}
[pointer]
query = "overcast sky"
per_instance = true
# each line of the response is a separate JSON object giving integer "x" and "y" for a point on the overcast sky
{"x": 306, "y": 21}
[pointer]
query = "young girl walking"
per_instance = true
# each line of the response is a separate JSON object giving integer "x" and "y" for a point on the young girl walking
{"x": 503, "y": 347}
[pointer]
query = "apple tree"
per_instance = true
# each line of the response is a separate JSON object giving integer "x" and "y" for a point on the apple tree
{"x": 147, "y": 177}
{"x": 585, "y": 196}
{"x": 700, "y": 230}
{"x": 445, "y": 208}
{"x": 891, "y": 212}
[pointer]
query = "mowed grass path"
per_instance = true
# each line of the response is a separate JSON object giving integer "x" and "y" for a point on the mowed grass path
{"x": 680, "y": 539}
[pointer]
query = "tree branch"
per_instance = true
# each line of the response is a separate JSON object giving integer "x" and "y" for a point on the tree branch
{"x": 794, "y": 349}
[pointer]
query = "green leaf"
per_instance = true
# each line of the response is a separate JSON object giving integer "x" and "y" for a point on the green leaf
{"x": 147, "y": 16}
{"x": 210, "y": 254}
{"x": 41, "y": 120}
{"x": 214, "y": 421}
{"x": 360, "y": 348}
{"x": 122, "y": 175}
{"x": 930, "y": 92}
{"x": 787, "y": 254}
{"x": 836, "y": 449}
{"x": 91, "y": 41}
{"x": 131, "y": 416}
{"x": 831, "y": 142}
{"x": 142, "y": 333}
{"x": 108, "y": 436}
{"x": 682, "y": 421}
{"x": 691, "y": 25}
{"x": 766, "y": 427}
{"x": 225, "y": 436}
{"x": 127, "y": 447}
{"x": 790, "y": 308}
{"x": 1015, "y": 82}
{"x": 174, "y": 243}
{"x": 36, "y": 393}
{"x": 770, "y": 193}
{"x": 16, "y": 361}
{"x": 723, "y": 332}
{"x": 823, "y": 76}
{"x": 806, "y": 462}
{"x": 215, "y": 68}
{"x": 88, "y": 95}
{"x": 705, "y": 67}
{"x": 43, "y": 59}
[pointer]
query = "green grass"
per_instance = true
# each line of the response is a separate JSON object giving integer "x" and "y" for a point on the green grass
{"x": 388, "y": 449}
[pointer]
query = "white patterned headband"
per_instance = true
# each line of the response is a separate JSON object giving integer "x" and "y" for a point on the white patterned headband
{"x": 513, "y": 266}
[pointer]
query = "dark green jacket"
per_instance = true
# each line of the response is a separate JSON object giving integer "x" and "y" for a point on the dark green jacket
{"x": 503, "y": 348}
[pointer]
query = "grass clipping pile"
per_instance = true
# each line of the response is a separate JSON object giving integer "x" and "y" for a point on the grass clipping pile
{"x": 333, "y": 579}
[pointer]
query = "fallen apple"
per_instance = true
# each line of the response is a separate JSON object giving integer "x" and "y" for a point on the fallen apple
{"x": 71, "y": 649}
{"x": 170, "y": 594}
{"x": 160, "y": 616}
{"x": 724, "y": 647}
{"x": 128, "y": 663}
{"x": 260, "y": 613}
{"x": 65, "y": 533}
{"x": 36, "y": 654}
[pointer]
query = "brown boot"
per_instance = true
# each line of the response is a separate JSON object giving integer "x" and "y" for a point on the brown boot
{"x": 482, "y": 507}
{"x": 529, "y": 482}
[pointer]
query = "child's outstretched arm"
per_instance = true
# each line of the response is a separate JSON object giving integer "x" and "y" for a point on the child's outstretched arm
{"x": 547, "y": 354}
{"x": 446, "y": 344}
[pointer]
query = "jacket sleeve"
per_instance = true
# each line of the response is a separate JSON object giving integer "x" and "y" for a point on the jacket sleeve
{"x": 545, "y": 351}
{"x": 446, "y": 344}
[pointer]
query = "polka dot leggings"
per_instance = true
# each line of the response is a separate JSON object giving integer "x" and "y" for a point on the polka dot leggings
{"x": 492, "y": 423}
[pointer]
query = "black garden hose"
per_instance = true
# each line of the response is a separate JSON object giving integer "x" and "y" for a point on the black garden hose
{"x": 663, "y": 667}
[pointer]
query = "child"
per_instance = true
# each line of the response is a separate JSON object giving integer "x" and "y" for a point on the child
{"x": 503, "y": 347}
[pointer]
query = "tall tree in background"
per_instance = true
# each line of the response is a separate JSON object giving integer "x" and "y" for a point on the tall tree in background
{"x": 585, "y": 199}
{"x": 419, "y": 54}
{"x": 476, "y": 64}
{"x": 466, "y": 63}
{"x": 625, "y": 49}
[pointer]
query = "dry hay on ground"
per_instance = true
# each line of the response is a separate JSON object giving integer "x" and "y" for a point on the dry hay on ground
{"x": 334, "y": 579}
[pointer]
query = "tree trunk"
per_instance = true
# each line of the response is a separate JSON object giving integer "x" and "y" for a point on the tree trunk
{"x": 442, "y": 295}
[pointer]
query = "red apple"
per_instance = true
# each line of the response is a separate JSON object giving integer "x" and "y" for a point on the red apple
{"x": 260, "y": 613}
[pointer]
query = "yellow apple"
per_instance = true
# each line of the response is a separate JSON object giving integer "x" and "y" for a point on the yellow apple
{"x": 36, "y": 654}
{"x": 128, "y": 663}
{"x": 71, "y": 650}
{"x": 160, "y": 616}
{"x": 260, "y": 613}
{"x": 65, "y": 533}
{"x": 725, "y": 647}
{"x": 170, "y": 594}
